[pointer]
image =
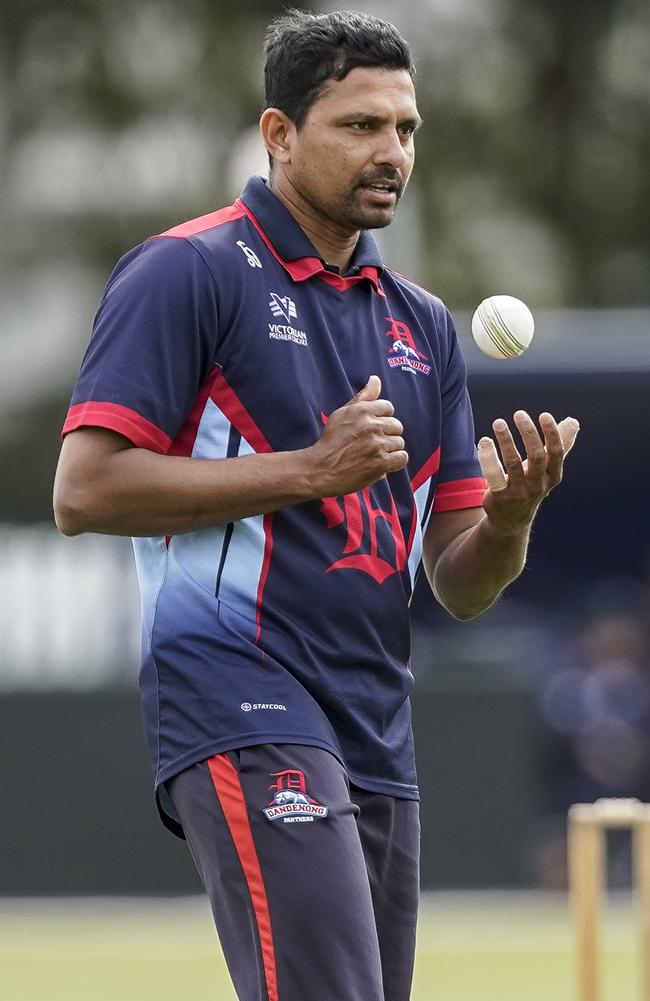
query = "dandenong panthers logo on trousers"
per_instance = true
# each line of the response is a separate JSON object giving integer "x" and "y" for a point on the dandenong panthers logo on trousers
{"x": 291, "y": 804}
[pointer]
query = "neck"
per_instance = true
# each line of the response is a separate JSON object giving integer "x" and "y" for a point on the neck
{"x": 335, "y": 244}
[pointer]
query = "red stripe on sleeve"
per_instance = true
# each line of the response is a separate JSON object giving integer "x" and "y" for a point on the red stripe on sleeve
{"x": 431, "y": 466}
{"x": 231, "y": 796}
{"x": 459, "y": 494}
{"x": 228, "y": 401}
{"x": 115, "y": 417}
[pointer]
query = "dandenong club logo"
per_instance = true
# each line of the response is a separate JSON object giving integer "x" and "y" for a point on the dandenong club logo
{"x": 403, "y": 353}
{"x": 291, "y": 804}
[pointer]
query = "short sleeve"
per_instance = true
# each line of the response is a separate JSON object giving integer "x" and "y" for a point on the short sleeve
{"x": 153, "y": 344}
{"x": 460, "y": 481}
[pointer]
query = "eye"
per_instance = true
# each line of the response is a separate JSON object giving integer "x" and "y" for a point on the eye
{"x": 407, "y": 130}
{"x": 361, "y": 126}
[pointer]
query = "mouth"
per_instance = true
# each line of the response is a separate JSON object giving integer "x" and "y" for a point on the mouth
{"x": 382, "y": 192}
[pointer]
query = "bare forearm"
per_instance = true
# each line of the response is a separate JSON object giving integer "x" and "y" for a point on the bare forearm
{"x": 105, "y": 484}
{"x": 141, "y": 493}
{"x": 476, "y": 567}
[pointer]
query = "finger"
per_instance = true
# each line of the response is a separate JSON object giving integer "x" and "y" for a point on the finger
{"x": 554, "y": 447}
{"x": 394, "y": 443}
{"x": 491, "y": 467}
{"x": 569, "y": 429}
{"x": 510, "y": 456}
{"x": 390, "y": 425}
{"x": 370, "y": 391}
{"x": 396, "y": 460}
{"x": 536, "y": 457}
{"x": 375, "y": 408}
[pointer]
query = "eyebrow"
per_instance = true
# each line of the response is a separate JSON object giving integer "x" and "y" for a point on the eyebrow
{"x": 362, "y": 116}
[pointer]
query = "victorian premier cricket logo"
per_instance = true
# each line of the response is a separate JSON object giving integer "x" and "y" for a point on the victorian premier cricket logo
{"x": 284, "y": 308}
{"x": 291, "y": 804}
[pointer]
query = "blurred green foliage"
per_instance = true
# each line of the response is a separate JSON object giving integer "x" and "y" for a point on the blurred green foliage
{"x": 119, "y": 119}
{"x": 536, "y": 139}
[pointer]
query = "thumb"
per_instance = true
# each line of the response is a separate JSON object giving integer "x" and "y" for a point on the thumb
{"x": 370, "y": 391}
{"x": 568, "y": 428}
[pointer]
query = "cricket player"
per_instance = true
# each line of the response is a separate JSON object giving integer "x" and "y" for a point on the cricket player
{"x": 281, "y": 422}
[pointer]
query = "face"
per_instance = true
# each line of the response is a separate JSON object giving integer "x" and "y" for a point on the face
{"x": 353, "y": 155}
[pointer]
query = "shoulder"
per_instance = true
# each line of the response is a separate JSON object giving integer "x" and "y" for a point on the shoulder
{"x": 422, "y": 300}
{"x": 169, "y": 266}
{"x": 427, "y": 307}
{"x": 225, "y": 242}
{"x": 182, "y": 253}
{"x": 204, "y": 236}
{"x": 205, "y": 224}
{"x": 156, "y": 253}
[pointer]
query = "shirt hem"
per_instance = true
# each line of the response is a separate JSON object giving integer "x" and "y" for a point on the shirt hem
{"x": 236, "y": 742}
{"x": 397, "y": 790}
{"x": 386, "y": 788}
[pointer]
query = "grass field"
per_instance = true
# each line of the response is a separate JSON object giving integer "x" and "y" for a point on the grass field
{"x": 472, "y": 947}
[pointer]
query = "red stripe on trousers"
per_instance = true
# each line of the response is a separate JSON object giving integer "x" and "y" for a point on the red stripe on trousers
{"x": 231, "y": 796}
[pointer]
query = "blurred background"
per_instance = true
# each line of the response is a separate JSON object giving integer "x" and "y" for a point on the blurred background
{"x": 118, "y": 120}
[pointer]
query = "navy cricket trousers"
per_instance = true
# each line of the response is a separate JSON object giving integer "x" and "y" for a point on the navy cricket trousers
{"x": 313, "y": 883}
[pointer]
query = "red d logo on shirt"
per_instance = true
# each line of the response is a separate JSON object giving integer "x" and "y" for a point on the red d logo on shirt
{"x": 351, "y": 513}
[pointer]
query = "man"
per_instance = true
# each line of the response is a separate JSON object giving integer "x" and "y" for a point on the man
{"x": 282, "y": 423}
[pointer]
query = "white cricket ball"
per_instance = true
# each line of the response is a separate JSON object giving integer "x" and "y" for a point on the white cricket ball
{"x": 503, "y": 326}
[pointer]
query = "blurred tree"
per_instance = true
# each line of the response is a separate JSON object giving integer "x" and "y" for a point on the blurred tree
{"x": 533, "y": 162}
{"x": 589, "y": 140}
{"x": 119, "y": 119}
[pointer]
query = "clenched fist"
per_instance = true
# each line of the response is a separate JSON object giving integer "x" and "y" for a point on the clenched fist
{"x": 361, "y": 442}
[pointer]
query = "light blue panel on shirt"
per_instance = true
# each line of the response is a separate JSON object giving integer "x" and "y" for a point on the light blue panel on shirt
{"x": 243, "y": 565}
{"x": 151, "y": 565}
{"x": 212, "y": 436}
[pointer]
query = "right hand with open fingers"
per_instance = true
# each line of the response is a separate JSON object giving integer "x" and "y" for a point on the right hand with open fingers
{"x": 517, "y": 485}
{"x": 360, "y": 443}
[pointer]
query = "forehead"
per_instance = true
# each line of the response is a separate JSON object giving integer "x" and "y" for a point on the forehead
{"x": 369, "y": 89}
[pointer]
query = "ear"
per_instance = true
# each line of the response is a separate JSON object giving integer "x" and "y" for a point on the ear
{"x": 278, "y": 132}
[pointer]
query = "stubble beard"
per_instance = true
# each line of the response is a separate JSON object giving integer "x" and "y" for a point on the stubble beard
{"x": 349, "y": 213}
{"x": 360, "y": 217}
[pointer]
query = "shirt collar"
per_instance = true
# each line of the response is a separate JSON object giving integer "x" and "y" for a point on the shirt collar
{"x": 291, "y": 246}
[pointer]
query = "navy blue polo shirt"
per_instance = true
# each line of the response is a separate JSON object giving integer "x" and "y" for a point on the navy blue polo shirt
{"x": 228, "y": 335}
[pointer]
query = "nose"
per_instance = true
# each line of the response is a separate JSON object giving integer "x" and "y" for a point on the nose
{"x": 390, "y": 150}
